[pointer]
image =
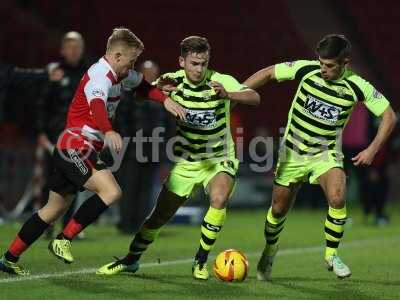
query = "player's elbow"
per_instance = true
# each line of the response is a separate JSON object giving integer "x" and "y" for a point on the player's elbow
{"x": 390, "y": 117}
{"x": 394, "y": 117}
{"x": 255, "y": 98}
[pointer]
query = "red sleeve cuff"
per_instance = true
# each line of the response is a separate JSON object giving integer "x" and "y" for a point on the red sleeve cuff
{"x": 100, "y": 115}
{"x": 157, "y": 95}
{"x": 153, "y": 93}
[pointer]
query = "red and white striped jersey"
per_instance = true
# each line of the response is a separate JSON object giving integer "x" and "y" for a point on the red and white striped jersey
{"x": 99, "y": 82}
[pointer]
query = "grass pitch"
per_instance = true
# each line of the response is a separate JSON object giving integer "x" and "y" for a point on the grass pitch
{"x": 299, "y": 272}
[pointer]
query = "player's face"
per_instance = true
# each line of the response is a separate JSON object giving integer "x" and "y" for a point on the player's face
{"x": 72, "y": 51}
{"x": 331, "y": 69}
{"x": 195, "y": 65}
{"x": 125, "y": 60}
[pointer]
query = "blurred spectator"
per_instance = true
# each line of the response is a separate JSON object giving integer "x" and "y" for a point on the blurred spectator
{"x": 54, "y": 101}
{"x": 17, "y": 87}
{"x": 377, "y": 189}
{"x": 137, "y": 178}
{"x": 356, "y": 138}
{"x": 17, "y": 79}
{"x": 373, "y": 181}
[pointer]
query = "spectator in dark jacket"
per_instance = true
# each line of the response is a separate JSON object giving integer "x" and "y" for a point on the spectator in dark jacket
{"x": 16, "y": 79}
{"x": 52, "y": 106}
{"x": 54, "y": 101}
{"x": 379, "y": 181}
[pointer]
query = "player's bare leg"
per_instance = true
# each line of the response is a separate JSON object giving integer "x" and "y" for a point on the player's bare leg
{"x": 167, "y": 205}
{"x": 282, "y": 200}
{"x": 333, "y": 182}
{"x": 55, "y": 207}
{"x": 219, "y": 189}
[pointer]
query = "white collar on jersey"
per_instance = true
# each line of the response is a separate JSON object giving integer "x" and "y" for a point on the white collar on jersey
{"x": 103, "y": 60}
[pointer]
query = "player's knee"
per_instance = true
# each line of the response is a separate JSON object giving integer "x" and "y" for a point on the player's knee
{"x": 278, "y": 211}
{"x": 336, "y": 199}
{"x": 219, "y": 200}
{"x": 116, "y": 194}
{"x": 111, "y": 196}
{"x": 51, "y": 213}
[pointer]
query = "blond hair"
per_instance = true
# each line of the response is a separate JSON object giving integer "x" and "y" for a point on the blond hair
{"x": 124, "y": 36}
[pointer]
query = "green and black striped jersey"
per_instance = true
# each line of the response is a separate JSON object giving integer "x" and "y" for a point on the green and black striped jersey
{"x": 206, "y": 132}
{"x": 321, "y": 109}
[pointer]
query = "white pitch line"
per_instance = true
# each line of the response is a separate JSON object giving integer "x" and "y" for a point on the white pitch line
{"x": 283, "y": 252}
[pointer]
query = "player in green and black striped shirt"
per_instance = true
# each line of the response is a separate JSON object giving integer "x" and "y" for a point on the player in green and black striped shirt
{"x": 204, "y": 150}
{"x": 311, "y": 150}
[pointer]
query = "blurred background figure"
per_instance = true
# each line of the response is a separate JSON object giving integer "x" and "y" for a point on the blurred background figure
{"x": 378, "y": 184}
{"x": 373, "y": 182}
{"x": 14, "y": 78}
{"x": 52, "y": 108}
{"x": 139, "y": 178}
{"x": 356, "y": 137}
{"x": 16, "y": 85}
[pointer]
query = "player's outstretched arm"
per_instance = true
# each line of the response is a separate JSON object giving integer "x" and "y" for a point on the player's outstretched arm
{"x": 386, "y": 127}
{"x": 147, "y": 91}
{"x": 260, "y": 78}
{"x": 247, "y": 96}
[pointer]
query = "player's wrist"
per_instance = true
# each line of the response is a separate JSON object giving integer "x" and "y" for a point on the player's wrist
{"x": 373, "y": 148}
{"x": 157, "y": 95}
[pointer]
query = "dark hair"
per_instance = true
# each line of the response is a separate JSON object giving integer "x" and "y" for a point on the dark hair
{"x": 334, "y": 46}
{"x": 194, "y": 44}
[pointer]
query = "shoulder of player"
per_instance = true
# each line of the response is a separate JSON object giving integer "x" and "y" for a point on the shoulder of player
{"x": 357, "y": 83}
{"x": 301, "y": 63}
{"x": 353, "y": 77}
{"x": 100, "y": 73}
{"x": 220, "y": 77}
{"x": 177, "y": 74}
{"x": 301, "y": 68}
{"x": 98, "y": 79}
{"x": 356, "y": 79}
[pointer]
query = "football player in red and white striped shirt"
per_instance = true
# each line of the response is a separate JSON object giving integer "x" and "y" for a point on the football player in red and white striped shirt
{"x": 88, "y": 130}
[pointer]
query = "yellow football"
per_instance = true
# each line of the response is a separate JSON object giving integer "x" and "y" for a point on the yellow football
{"x": 231, "y": 265}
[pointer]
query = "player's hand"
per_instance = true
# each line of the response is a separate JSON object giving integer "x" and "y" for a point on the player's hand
{"x": 364, "y": 158}
{"x": 175, "y": 109}
{"x": 56, "y": 74}
{"x": 219, "y": 89}
{"x": 113, "y": 140}
{"x": 167, "y": 84}
{"x": 45, "y": 143}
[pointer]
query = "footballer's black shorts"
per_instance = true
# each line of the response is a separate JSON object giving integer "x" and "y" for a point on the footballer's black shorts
{"x": 72, "y": 168}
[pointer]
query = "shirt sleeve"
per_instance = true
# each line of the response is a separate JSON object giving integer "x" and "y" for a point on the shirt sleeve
{"x": 132, "y": 81}
{"x": 97, "y": 88}
{"x": 230, "y": 83}
{"x": 291, "y": 70}
{"x": 163, "y": 76}
{"x": 372, "y": 98}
